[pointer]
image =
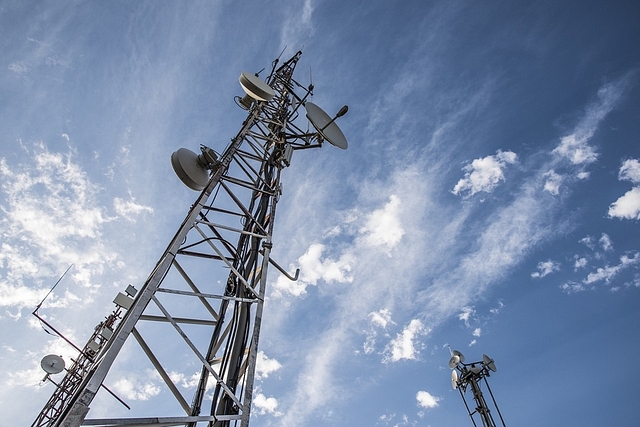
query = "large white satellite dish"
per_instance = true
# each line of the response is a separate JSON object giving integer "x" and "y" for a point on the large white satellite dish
{"x": 489, "y": 363}
{"x": 327, "y": 126}
{"x": 454, "y": 379}
{"x": 52, "y": 364}
{"x": 255, "y": 89}
{"x": 453, "y": 362}
{"x": 189, "y": 169}
{"x": 460, "y": 355}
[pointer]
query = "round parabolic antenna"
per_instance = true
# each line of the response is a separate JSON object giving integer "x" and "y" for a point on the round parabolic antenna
{"x": 186, "y": 166}
{"x": 454, "y": 379}
{"x": 52, "y": 364}
{"x": 255, "y": 87}
{"x": 453, "y": 362}
{"x": 460, "y": 355}
{"x": 323, "y": 124}
{"x": 489, "y": 363}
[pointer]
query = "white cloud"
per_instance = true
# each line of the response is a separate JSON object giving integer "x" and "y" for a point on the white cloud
{"x": 484, "y": 174}
{"x": 378, "y": 319}
{"x": 129, "y": 208}
{"x": 466, "y": 314}
{"x": 575, "y": 147}
{"x": 64, "y": 227}
{"x": 580, "y": 262}
{"x": 552, "y": 184}
{"x": 18, "y": 67}
{"x": 297, "y": 25}
{"x": 315, "y": 384}
{"x": 265, "y": 366}
{"x": 189, "y": 381}
{"x": 427, "y": 400}
{"x": 607, "y": 273}
{"x": 573, "y": 287}
{"x": 588, "y": 242}
{"x": 136, "y": 388}
{"x": 477, "y": 332}
{"x": 381, "y": 318}
{"x": 402, "y": 347}
{"x": 314, "y": 268}
{"x": 627, "y": 206}
{"x": 266, "y": 405}
{"x": 545, "y": 268}
{"x": 630, "y": 171}
{"x": 382, "y": 226}
{"x": 605, "y": 242}
{"x": 583, "y": 175}
{"x": 496, "y": 310}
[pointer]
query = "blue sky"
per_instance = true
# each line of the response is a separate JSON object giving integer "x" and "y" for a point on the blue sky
{"x": 489, "y": 199}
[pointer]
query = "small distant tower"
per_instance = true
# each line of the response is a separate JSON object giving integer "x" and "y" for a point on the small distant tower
{"x": 470, "y": 375}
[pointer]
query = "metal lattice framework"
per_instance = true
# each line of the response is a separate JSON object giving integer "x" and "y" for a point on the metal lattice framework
{"x": 205, "y": 295}
{"x": 470, "y": 375}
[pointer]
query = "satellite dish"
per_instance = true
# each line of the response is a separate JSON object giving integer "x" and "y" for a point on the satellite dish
{"x": 454, "y": 379}
{"x": 326, "y": 126}
{"x": 460, "y": 355}
{"x": 52, "y": 364}
{"x": 453, "y": 362}
{"x": 255, "y": 89}
{"x": 489, "y": 363}
{"x": 189, "y": 169}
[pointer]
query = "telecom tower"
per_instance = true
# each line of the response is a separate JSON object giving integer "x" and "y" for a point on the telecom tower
{"x": 470, "y": 375}
{"x": 201, "y": 306}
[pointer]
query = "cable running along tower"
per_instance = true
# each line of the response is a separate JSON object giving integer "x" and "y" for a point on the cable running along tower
{"x": 200, "y": 310}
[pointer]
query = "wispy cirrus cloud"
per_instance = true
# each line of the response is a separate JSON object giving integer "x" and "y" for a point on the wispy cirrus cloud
{"x": 607, "y": 273}
{"x": 575, "y": 146}
{"x": 441, "y": 275}
{"x": 64, "y": 227}
{"x": 297, "y": 24}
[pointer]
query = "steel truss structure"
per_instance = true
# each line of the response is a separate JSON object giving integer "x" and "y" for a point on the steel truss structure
{"x": 470, "y": 375}
{"x": 206, "y": 293}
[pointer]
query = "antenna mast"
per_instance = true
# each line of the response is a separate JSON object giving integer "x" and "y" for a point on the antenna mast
{"x": 202, "y": 304}
{"x": 470, "y": 375}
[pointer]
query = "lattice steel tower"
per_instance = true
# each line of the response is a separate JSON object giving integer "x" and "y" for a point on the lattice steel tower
{"x": 206, "y": 293}
{"x": 470, "y": 375}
